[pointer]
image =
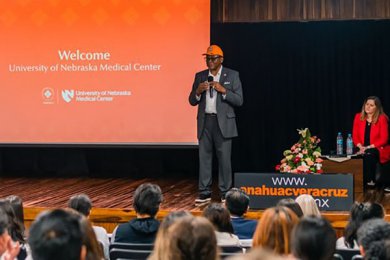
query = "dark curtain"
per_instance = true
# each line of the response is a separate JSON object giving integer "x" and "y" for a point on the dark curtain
{"x": 301, "y": 74}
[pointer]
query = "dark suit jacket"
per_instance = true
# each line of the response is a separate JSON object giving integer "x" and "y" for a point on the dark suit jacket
{"x": 244, "y": 228}
{"x": 379, "y": 135}
{"x": 225, "y": 107}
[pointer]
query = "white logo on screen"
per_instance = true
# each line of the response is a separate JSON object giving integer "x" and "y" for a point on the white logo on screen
{"x": 67, "y": 95}
{"x": 48, "y": 95}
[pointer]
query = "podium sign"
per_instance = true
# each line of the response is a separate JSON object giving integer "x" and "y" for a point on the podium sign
{"x": 331, "y": 191}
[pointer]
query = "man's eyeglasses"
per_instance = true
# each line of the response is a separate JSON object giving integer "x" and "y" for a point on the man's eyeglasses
{"x": 211, "y": 58}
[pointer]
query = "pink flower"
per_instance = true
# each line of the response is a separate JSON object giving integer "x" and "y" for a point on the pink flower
{"x": 297, "y": 159}
{"x": 277, "y": 167}
{"x": 319, "y": 160}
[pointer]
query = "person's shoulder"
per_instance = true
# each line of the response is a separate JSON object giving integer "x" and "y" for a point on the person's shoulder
{"x": 357, "y": 116}
{"x": 203, "y": 72}
{"x": 229, "y": 71}
{"x": 383, "y": 117}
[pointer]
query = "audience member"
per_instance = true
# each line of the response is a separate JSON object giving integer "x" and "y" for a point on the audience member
{"x": 56, "y": 235}
{"x": 161, "y": 242}
{"x": 313, "y": 238}
{"x": 359, "y": 213}
{"x": 274, "y": 229}
{"x": 190, "y": 238}
{"x": 291, "y": 204}
{"x": 17, "y": 205}
{"x": 83, "y": 205}
{"x": 143, "y": 229}
{"x": 15, "y": 228}
{"x": 372, "y": 238}
{"x": 308, "y": 205}
{"x": 8, "y": 250}
{"x": 237, "y": 202}
{"x": 219, "y": 216}
{"x": 93, "y": 249}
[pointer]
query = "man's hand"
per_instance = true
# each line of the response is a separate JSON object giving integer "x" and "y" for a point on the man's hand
{"x": 202, "y": 88}
{"x": 218, "y": 87}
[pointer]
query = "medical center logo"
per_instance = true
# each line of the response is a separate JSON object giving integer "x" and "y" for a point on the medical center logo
{"x": 67, "y": 95}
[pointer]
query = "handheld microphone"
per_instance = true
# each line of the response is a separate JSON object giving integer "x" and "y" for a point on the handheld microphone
{"x": 210, "y": 79}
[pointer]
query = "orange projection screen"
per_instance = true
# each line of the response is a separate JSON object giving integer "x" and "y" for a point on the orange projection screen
{"x": 100, "y": 71}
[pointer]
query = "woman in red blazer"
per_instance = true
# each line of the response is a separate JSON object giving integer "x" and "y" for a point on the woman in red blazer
{"x": 370, "y": 134}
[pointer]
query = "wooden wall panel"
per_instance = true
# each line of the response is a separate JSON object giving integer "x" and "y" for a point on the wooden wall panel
{"x": 297, "y": 10}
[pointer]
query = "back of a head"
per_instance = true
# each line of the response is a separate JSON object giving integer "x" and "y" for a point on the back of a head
{"x": 313, "y": 238}
{"x": 219, "y": 216}
{"x": 371, "y": 233}
{"x": 147, "y": 199}
{"x": 191, "y": 238}
{"x": 274, "y": 229}
{"x": 17, "y": 205}
{"x": 15, "y": 228}
{"x": 359, "y": 213}
{"x": 291, "y": 204}
{"x": 237, "y": 202}
{"x": 81, "y": 203}
{"x": 56, "y": 235}
{"x": 161, "y": 242}
{"x": 308, "y": 205}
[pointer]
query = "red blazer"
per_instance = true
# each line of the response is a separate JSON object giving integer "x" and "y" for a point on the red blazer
{"x": 379, "y": 135}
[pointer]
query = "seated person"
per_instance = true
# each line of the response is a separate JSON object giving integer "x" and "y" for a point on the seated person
{"x": 291, "y": 204}
{"x": 373, "y": 238}
{"x": 274, "y": 230}
{"x": 313, "y": 238}
{"x": 370, "y": 134}
{"x": 143, "y": 229}
{"x": 8, "y": 249}
{"x": 308, "y": 205}
{"x": 359, "y": 213}
{"x": 82, "y": 204}
{"x": 237, "y": 202}
{"x": 56, "y": 235}
{"x": 219, "y": 216}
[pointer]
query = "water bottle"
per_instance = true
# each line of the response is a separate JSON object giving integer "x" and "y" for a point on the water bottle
{"x": 339, "y": 142}
{"x": 349, "y": 145}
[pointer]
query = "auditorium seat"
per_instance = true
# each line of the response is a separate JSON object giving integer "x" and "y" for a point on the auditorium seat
{"x": 224, "y": 255}
{"x": 231, "y": 249}
{"x": 346, "y": 254}
{"x": 117, "y": 253}
{"x": 134, "y": 246}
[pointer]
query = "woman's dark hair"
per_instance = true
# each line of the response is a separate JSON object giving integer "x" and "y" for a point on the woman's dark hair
{"x": 291, "y": 204}
{"x": 147, "y": 199}
{"x": 360, "y": 212}
{"x": 17, "y": 206}
{"x": 219, "y": 216}
{"x": 81, "y": 203}
{"x": 15, "y": 229}
{"x": 313, "y": 238}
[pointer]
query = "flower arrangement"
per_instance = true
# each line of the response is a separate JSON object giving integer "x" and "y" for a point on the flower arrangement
{"x": 304, "y": 156}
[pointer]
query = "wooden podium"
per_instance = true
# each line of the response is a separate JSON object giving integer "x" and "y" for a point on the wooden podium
{"x": 353, "y": 166}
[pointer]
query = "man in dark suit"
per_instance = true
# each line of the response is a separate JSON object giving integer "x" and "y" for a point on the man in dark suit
{"x": 216, "y": 91}
{"x": 237, "y": 202}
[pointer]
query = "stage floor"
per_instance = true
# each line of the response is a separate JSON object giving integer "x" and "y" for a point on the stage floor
{"x": 112, "y": 198}
{"x": 179, "y": 194}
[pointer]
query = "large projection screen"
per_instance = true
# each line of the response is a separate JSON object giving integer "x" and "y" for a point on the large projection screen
{"x": 101, "y": 71}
